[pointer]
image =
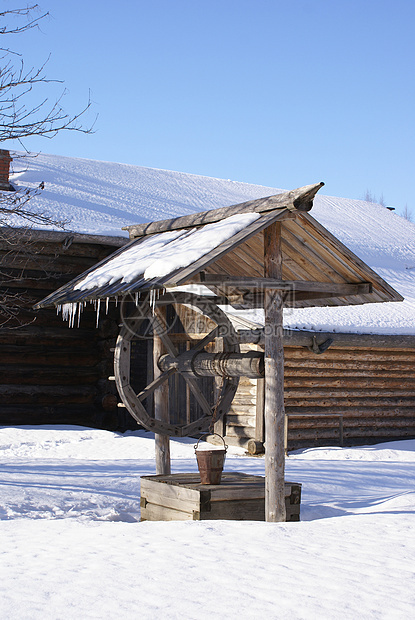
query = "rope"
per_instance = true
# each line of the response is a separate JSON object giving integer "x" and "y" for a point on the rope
{"x": 215, "y": 410}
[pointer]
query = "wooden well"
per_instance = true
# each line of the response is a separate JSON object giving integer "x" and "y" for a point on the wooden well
{"x": 182, "y": 497}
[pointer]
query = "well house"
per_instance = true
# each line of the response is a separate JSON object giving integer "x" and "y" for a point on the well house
{"x": 346, "y": 379}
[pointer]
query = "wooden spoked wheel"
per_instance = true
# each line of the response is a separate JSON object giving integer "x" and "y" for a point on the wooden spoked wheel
{"x": 149, "y": 320}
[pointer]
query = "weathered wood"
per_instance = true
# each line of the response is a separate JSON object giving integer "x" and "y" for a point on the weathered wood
{"x": 226, "y": 281}
{"x": 66, "y": 239}
{"x": 181, "y": 276}
{"x": 239, "y": 496}
{"x": 274, "y": 380}
{"x": 181, "y": 423}
{"x": 299, "y": 199}
{"x": 48, "y": 375}
{"x": 328, "y": 240}
{"x": 371, "y": 388}
{"x": 301, "y": 338}
{"x": 203, "y": 364}
{"x": 259, "y": 411}
{"x": 161, "y": 406}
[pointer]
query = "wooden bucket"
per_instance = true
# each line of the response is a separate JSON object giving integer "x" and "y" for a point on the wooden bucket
{"x": 210, "y": 463}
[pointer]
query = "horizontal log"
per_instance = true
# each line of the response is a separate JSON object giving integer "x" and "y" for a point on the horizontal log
{"x": 48, "y": 375}
{"x": 349, "y": 413}
{"x": 78, "y": 415}
{"x": 13, "y": 354}
{"x": 243, "y": 400}
{"x": 347, "y": 376}
{"x": 384, "y": 422}
{"x": 304, "y": 338}
{"x": 408, "y": 382}
{"x": 371, "y": 434}
{"x": 47, "y": 399}
{"x": 341, "y": 289}
{"x": 348, "y": 393}
{"x": 320, "y": 404}
{"x": 299, "y": 199}
{"x": 52, "y": 250}
{"x": 67, "y": 238}
{"x": 49, "y": 264}
{"x": 30, "y": 280}
{"x": 355, "y": 355}
{"x": 246, "y": 433}
{"x": 321, "y": 365}
{"x": 244, "y": 409}
{"x": 242, "y": 421}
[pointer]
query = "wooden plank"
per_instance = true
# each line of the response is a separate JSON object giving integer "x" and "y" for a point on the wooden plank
{"x": 182, "y": 275}
{"x": 162, "y": 497}
{"x": 330, "y": 241}
{"x": 154, "y": 512}
{"x": 275, "y": 431}
{"x": 152, "y": 486}
{"x": 227, "y": 281}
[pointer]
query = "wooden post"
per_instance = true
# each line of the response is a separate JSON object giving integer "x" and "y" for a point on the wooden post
{"x": 161, "y": 411}
{"x": 274, "y": 380}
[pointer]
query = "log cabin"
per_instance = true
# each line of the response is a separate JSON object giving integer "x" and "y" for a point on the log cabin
{"x": 342, "y": 386}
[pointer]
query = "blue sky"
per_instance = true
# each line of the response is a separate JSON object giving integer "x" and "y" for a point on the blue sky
{"x": 278, "y": 93}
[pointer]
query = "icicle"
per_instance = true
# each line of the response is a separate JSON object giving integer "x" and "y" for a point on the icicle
{"x": 97, "y": 307}
{"x": 136, "y": 299}
{"x": 69, "y": 313}
{"x": 152, "y": 300}
{"x": 80, "y": 308}
{"x": 107, "y": 301}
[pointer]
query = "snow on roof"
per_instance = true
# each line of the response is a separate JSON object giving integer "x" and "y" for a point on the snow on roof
{"x": 102, "y": 197}
{"x": 154, "y": 258}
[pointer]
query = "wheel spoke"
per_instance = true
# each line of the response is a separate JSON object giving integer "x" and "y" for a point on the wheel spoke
{"x": 160, "y": 329}
{"x": 211, "y": 336}
{"x": 155, "y": 384}
{"x": 197, "y": 392}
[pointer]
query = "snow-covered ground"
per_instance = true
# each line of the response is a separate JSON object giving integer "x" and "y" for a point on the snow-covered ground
{"x": 72, "y": 546}
{"x": 102, "y": 197}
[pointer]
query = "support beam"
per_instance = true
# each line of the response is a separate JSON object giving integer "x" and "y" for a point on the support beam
{"x": 274, "y": 380}
{"x": 161, "y": 410}
{"x": 225, "y": 281}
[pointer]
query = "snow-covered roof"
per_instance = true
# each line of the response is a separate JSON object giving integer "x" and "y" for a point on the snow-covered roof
{"x": 224, "y": 250}
{"x": 102, "y": 197}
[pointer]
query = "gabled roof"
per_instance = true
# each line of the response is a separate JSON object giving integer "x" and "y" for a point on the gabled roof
{"x": 223, "y": 249}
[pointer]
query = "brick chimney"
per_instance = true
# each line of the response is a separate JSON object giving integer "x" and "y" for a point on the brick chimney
{"x": 5, "y": 160}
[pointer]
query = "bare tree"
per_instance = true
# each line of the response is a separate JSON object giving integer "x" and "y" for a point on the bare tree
{"x": 20, "y": 118}
{"x": 407, "y": 214}
{"x": 17, "y": 119}
{"x": 368, "y": 196}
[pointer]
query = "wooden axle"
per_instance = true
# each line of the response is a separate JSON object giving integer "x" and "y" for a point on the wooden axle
{"x": 202, "y": 364}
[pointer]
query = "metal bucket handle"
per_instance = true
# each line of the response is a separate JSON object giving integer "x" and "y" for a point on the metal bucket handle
{"x": 208, "y": 435}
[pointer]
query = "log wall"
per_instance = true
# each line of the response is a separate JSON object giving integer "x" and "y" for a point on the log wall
{"x": 347, "y": 395}
{"x": 50, "y": 373}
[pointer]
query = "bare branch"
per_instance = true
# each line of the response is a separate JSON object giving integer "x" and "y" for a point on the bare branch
{"x": 26, "y": 109}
